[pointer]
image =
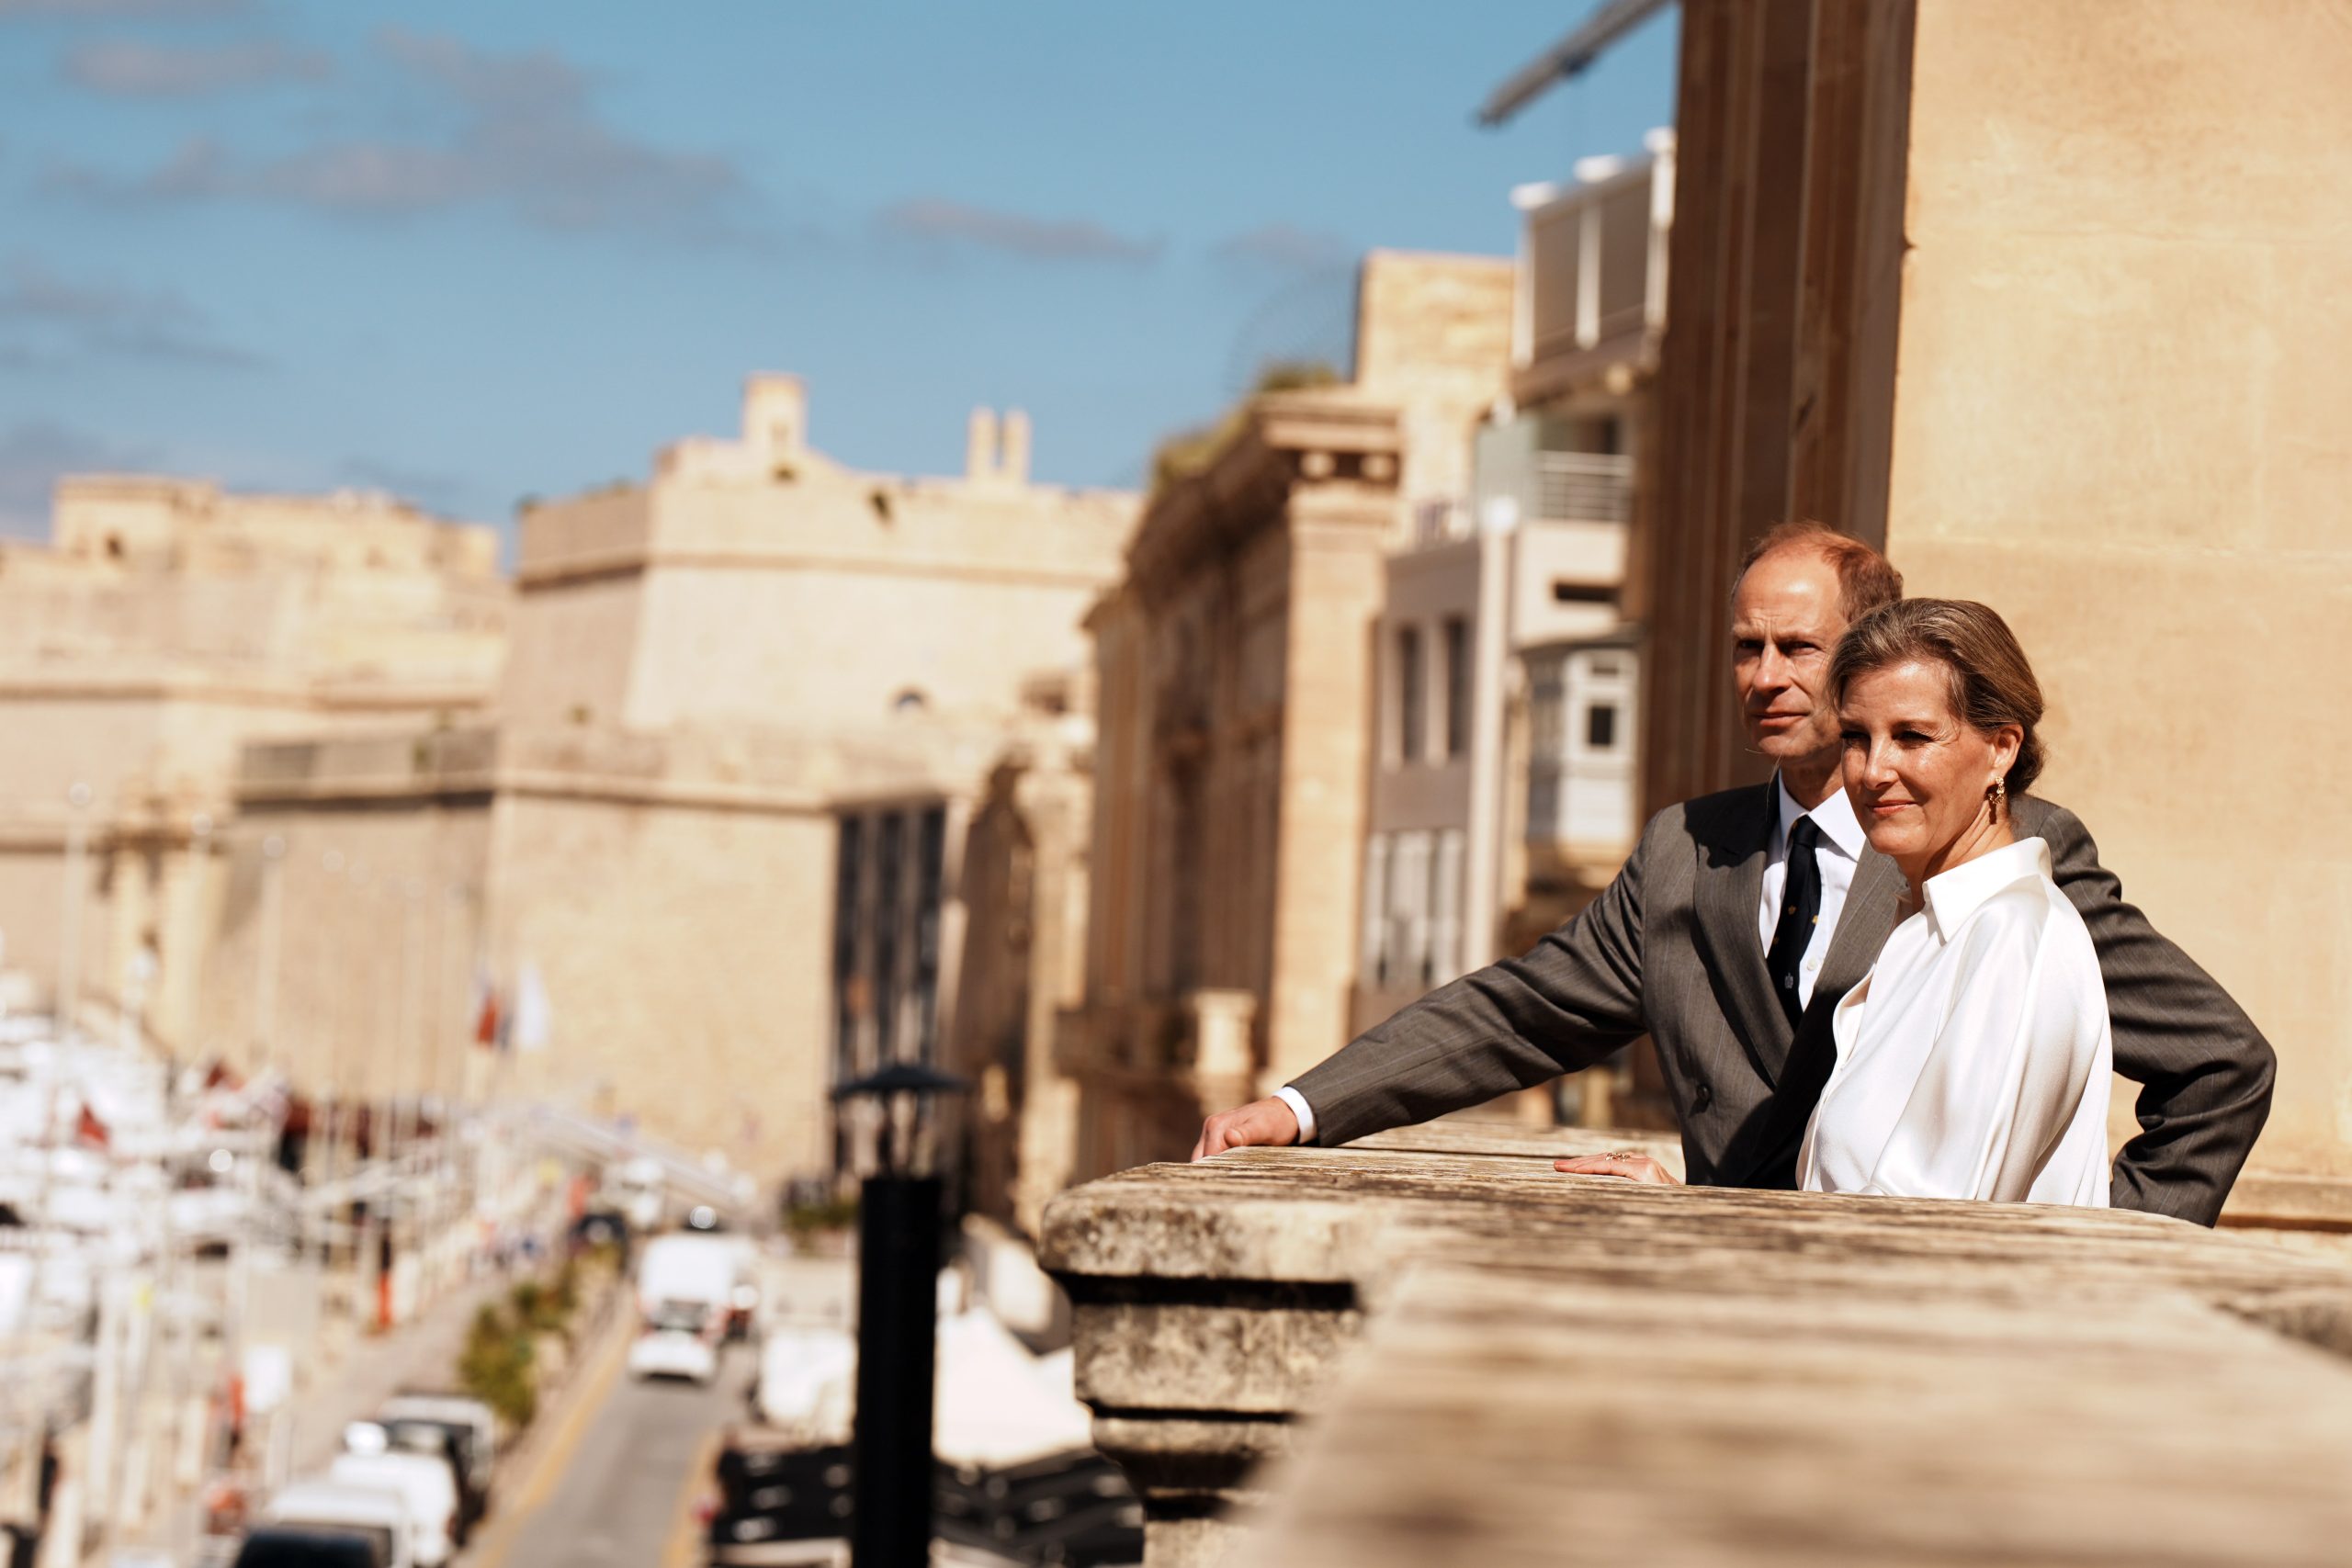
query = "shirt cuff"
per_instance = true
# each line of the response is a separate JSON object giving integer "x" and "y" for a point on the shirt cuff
{"x": 1300, "y": 1109}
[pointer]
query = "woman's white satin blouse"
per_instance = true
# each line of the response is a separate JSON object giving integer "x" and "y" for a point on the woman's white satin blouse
{"x": 1973, "y": 1060}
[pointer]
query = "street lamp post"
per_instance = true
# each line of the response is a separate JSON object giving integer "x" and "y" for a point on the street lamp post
{"x": 904, "y": 1135}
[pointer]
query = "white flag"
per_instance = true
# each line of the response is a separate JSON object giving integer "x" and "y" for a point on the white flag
{"x": 533, "y": 1020}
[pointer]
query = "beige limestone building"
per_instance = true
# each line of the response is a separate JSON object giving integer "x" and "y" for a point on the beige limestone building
{"x": 1501, "y": 789}
{"x": 165, "y": 625}
{"x": 1238, "y": 681}
{"x": 705, "y": 850}
{"x": 2048, "y": 298}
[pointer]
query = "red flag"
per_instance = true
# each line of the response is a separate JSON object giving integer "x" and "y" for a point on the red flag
{"x": 88, "y": 1128}
{"x": 486, "y": 1013}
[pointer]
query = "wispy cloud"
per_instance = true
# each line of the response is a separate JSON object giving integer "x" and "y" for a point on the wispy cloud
{"x": 101, "y": 318}
{"x": 1284, "y": 246}
{"x": 936, "y": 220}
{"x": 33, "y": 455}
{"x": 121, "y": 10}
{"x": 130, "y": 67}
{"x": 526, "y": 136}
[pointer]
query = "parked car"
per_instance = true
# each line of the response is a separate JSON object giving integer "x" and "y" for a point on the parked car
{"x": 698, "y": 1272}
{"x": 673, "y": 1353}
{"x": 372, "y": 1511}
{"x": 599, "y": 1227}
{"x": 287, "y": 1546}
{"x": 436, "y": 1440}
{"x": 457, "y": 1410}
{"x": 425, "y": 1485}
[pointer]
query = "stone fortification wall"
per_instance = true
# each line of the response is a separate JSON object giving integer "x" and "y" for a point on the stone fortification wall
{"x": 136, "y": 523}
{"x": 756, "y": 582}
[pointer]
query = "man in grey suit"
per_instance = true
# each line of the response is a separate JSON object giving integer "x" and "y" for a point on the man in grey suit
{"x": 1740, "y": 921}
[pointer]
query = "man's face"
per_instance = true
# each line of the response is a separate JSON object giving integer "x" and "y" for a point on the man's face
{"x": 1785, "y": 620}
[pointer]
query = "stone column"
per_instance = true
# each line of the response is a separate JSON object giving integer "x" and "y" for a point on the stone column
{"x": 1225, "y": 1059}
{"x": 1337, "y": 531}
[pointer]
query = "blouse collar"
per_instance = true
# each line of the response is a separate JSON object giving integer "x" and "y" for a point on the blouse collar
{"x": 1954, "y": 894}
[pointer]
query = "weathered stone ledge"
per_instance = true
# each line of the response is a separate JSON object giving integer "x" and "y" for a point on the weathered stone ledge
{"x": 1501, "y": 1364}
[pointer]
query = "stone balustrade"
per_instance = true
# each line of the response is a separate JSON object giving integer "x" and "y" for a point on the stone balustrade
{"x": 1429, "y": 1348}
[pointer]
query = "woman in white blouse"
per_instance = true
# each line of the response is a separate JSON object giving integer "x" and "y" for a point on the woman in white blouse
{"x": 1973, "y": 1059}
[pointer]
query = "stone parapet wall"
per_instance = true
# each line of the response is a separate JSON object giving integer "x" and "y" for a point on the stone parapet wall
{"x": 1451, "y": 1354}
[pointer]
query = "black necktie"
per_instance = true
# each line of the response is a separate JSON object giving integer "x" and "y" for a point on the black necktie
{"x": 1800, "y": 908}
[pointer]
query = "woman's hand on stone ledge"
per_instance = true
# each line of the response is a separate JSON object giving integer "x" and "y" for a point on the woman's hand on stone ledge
{"x": 1261, "y": 1123}
{"x": 1627, "y": 1167}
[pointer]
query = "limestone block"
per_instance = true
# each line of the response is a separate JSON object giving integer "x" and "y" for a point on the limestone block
{"x": 1252, "y": 1347}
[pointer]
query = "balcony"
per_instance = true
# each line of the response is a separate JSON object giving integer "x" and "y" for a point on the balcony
{"x": 1592, "y": 270}
{"x": 1457, "y": 1356}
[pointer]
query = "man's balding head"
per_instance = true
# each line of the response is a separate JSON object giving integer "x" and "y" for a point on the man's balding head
{"x": 1866, "y": 580}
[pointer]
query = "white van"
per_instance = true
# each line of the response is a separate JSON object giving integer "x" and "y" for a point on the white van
{"x": 382, "y": 1515}
{"x": 423, "y": 1484}
{"x": 455, "y": 1410}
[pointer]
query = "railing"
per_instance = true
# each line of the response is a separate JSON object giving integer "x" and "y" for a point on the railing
{"x": 1440, "y": 522}
{"x": 1581, "y": 487}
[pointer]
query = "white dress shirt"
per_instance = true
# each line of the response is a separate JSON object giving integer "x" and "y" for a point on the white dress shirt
{"x": 1837, "y": 852}
{"x": 1973, "y": 1059}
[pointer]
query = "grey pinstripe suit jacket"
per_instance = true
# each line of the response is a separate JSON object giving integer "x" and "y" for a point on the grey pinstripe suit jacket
{"x": 1669, "y": 949}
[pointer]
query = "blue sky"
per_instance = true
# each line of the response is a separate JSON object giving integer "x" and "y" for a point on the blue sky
{"x": 468, "y": 252}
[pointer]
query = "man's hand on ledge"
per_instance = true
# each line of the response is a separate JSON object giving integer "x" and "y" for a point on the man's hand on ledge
{"x": 1259, "y": 1122}
{"x": 1628, "y": 1167}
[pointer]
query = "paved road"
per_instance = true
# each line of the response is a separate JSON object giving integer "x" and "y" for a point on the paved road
{"x": 637, "y": 1468}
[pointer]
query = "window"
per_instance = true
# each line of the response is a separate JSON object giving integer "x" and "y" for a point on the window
{"x": 1442, "y": 961}
{"x": 930, "y": 858}
{"x": 1457, "y": 686}
{"x": 889, "y": 854}
{"x": 1409, "y": 911}
{"x": 1412, "y": 695}
{"x": 1374, "y": 956}
{"x": 1567, "y": 592}
{"x": 849, "y": 991}
{"x": 1601, "y": 726}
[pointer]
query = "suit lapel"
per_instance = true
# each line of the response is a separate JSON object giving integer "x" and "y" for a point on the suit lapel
{"x": 1862, "y": 928}
{"x": 1729, "y": 892}
{"x": 1767, "y": 1150}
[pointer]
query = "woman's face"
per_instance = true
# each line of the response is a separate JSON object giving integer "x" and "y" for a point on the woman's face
{"x": 1915, "y": 770}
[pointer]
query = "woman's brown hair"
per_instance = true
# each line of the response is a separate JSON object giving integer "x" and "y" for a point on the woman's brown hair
{"x": 1991, "y": 684}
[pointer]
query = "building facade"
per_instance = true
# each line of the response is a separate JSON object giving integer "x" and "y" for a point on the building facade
{"x": 706, "y": 852}
{"x": 1238, "y": 681}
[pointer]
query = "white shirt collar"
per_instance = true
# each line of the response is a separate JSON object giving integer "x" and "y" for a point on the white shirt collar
{"x": 1954, "y": 894}
{"x": 1834, "y": 816}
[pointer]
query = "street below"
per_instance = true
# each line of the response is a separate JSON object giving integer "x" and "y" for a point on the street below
{"x": 626, "y": 1492}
